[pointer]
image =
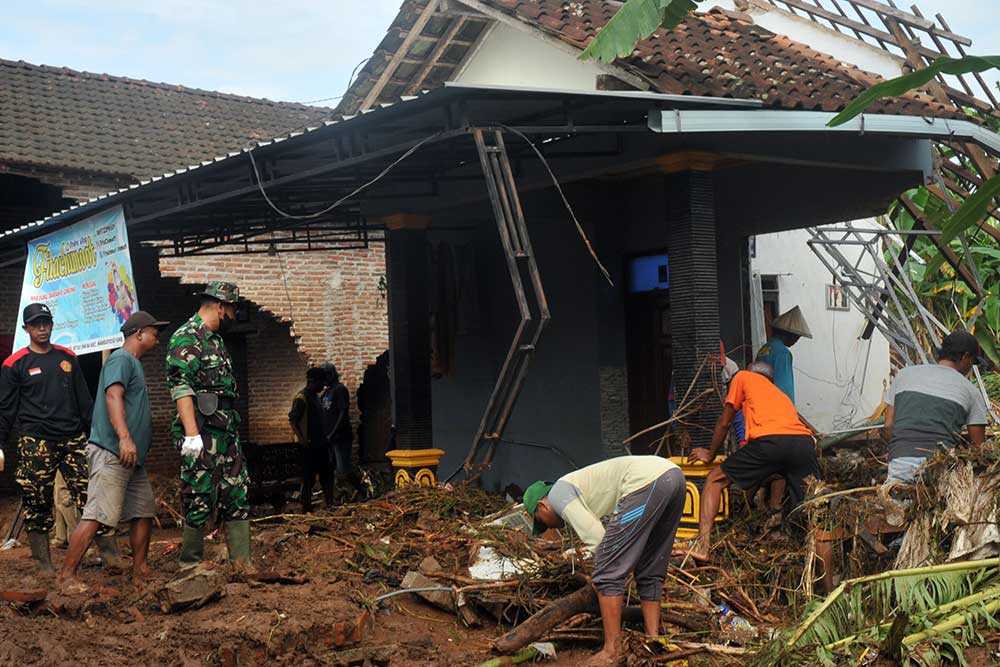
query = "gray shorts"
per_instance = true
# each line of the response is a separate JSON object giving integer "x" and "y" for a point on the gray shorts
{"x": 116, "y": 493}
{"x": 640, "y": 538}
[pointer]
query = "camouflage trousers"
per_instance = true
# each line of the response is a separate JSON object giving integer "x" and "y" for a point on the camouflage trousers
{"x": 36, "y": 475}
{"x": 217, "y": 478}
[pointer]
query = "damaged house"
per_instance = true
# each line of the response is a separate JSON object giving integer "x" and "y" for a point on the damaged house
{"x": 562, "y": 242}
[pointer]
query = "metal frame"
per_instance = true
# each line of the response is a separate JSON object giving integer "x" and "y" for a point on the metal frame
{"x": 516, "y": 243}
{"x": 884, "y": 294}
{"x": 919, "y": 41}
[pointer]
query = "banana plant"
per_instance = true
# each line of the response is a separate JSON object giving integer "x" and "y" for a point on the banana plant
{"x": 974, "y": 210}
{"x": 633, "y": 22}
{"x": 950, "y": 300}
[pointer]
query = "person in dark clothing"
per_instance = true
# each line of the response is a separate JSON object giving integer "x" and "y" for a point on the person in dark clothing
{"x": 306, "y": 418}
{"x": 44, "y": 399}
{"x": 336, "y": 403}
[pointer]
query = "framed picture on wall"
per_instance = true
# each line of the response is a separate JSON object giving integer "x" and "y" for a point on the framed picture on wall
{"x": 836, "y": 298}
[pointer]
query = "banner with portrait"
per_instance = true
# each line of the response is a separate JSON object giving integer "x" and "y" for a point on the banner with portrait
{"x": 83, "y": 273}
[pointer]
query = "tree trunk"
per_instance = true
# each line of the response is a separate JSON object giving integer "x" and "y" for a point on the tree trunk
{"x": 540, "y": 623}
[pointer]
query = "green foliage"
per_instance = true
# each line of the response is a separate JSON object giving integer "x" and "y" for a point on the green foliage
{"x": 944, "y": 608}
{"x": 634, "y": 22}
{"x": 972, "y": 211}
{"x": 949, "y": 300}
{"x": 914, "y": 80}
{"x": 992, "y": 383}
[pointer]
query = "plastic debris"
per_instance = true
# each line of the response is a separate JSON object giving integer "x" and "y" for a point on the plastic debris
{"x": 733, "y": 628}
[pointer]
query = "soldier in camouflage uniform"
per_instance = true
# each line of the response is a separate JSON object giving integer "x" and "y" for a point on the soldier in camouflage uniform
{"x": 201, "y": 382}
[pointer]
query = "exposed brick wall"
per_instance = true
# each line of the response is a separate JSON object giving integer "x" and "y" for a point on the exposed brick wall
{"x": 333, "y": 297}
{"x": 340, "y": 315}
{"x": 277, "y": 372}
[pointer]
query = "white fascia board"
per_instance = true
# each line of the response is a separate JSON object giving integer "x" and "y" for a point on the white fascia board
{"x": 685, "y": 122}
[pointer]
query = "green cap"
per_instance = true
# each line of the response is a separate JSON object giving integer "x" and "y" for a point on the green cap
{"x": 224, "y": 292}
{"x": 532, "y": 495}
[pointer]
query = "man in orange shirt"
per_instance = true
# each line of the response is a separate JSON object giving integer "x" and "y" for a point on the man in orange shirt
{"x": 777, "y": 443}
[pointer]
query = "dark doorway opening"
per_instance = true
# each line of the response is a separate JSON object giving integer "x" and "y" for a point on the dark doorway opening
{"x": 648, "y": 348}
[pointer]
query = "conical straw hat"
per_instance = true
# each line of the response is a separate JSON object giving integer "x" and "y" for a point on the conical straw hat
{"x": 793, "y": 322}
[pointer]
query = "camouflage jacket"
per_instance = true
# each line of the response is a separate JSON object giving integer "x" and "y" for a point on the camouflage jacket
{"x": 197, "y": 361}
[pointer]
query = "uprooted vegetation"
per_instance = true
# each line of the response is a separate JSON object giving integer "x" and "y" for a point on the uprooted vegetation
{"x": 326, "y": 588}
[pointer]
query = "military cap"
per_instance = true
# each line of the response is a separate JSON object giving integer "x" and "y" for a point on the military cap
{"x": 224, "y": 292}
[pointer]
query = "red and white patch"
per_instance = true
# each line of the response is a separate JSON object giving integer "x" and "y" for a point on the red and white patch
{"x": 35, "y": 371}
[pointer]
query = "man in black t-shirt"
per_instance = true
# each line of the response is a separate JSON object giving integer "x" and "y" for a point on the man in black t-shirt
{"x": 336, "y": 404}
{"x": 306, "y": 419}
{"x": 45, "y": 400}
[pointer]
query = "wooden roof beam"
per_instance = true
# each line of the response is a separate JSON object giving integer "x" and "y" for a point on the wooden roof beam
{"x": 435, "y": 55}
{"x": 910, "y": 19}
{"x": 976, "y": 75}
{"x": 390, "y": 68}
{"x": 871, "y": 31}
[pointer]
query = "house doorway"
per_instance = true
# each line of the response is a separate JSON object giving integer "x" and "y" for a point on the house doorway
{"x": 648, "y": 348}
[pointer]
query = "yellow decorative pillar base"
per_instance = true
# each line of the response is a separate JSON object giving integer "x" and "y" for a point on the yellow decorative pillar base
{"x": 695, "y": 474}
{"x": 415, "y": 466}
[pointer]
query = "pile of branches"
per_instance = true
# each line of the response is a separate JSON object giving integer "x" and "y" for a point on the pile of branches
{"x": 943, "y": 595}
{"x": 953, "y": 514}
{"x": 381, "y": 541}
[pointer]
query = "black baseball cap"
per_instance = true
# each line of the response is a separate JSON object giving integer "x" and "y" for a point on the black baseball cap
{"x": 34, "y": 311}
{"x": 963, "y": 342}
{"x": 140, "y": 320}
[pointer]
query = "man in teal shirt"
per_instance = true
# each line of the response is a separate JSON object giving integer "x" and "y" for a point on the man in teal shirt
{"x": 120, "y": 437}
{"x": 786, "y": 329}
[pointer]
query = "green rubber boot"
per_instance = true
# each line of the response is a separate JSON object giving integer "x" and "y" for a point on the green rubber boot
{"x": 238, "y": 541}
{"x": 193, "y": 546}
{"x": 39, "y": 543}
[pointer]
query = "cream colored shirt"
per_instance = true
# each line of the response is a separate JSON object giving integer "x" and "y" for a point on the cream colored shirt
{"x": 600, "y": 486}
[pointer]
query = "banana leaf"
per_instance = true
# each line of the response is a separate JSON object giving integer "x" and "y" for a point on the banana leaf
{"x": 972, "y": 211}
{"x": 913, "y": 80}
{"x": 633, "y": 22}
{"x": 969, "y": 215}
{"x": 987, "y": 340}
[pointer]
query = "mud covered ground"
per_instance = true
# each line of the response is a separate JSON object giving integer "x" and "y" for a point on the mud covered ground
{"x": 254, "y": 623}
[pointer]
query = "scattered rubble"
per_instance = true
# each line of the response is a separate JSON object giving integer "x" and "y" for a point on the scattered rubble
{"x": 450, "y": 577}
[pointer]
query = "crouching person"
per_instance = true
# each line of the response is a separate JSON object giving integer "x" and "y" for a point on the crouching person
{"x": 643, "y": 496}
{"x": 120, "y": 437}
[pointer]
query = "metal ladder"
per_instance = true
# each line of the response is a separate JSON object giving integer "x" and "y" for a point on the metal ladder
{"x": 534, "y": 315}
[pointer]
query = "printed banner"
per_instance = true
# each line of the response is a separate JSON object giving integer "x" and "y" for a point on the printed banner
{"x": 83, "y": 273}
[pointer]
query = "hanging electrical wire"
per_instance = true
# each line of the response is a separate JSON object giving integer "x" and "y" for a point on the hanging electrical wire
{"x": 311, "y": 216}
{"x": 349, "y": 82}
{"x": 569, "y": 208}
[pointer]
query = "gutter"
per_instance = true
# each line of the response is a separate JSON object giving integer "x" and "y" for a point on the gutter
{"x": 918, "y": 127}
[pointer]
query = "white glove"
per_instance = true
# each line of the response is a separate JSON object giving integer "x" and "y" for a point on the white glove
{"x": 192, "y": 446}
{"x": 1, "y": 460}
{"x": 583, "y": 553}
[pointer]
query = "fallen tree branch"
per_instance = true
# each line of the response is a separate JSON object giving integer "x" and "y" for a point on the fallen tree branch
{"x": 546, "y": 619}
